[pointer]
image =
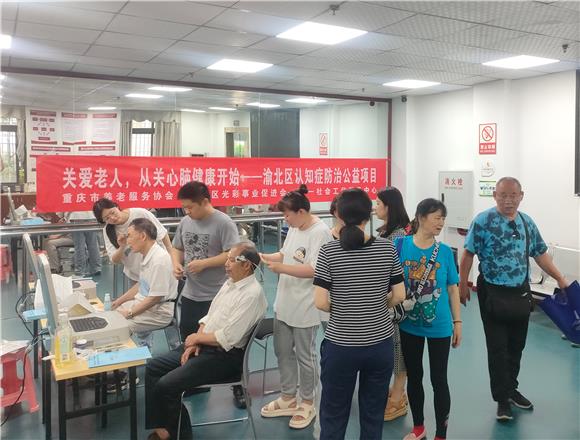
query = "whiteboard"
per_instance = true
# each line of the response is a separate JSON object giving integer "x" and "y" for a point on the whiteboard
{"x": 456, "y": 192}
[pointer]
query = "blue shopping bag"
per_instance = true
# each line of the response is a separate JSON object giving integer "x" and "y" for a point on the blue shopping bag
{"x": 563, "y": 308}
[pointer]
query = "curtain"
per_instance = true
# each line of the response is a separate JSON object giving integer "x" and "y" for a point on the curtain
{"x": 167, "y": 139}
{"x": 125, "y": 139}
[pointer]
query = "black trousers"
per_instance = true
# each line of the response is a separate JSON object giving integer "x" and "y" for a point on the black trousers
{"x": 505, "y": 343}
{"x": 166, "y": 379}
{"x": 191, "y": 312}
{"x": 413, "y": 347}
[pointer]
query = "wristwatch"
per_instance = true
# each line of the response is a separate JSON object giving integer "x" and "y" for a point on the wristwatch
{"x": 130, "y": 314}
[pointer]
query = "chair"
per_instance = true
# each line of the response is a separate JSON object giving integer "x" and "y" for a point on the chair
{"x": 172, "y": 333}
{"x": 261, "y": 340}
{"x": 5, "y": 263}
{"x": 259, "y": 329}
{"x": 14, "y": 388}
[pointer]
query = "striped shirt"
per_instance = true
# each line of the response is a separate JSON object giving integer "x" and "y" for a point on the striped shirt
{"x": 358, "y": 282}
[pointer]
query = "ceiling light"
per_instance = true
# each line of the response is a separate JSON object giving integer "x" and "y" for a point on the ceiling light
{"x": 2, "y": 77}
{"x": 263, "y": 105}
{"x": 320, "y": 33}
{"x": 225, "y": 109}
{"x": 143, "y": 95}
{"x": 5, "y": 41}
{"x": 411, "y": 84}
{"x": 192, "y": 110}
{"x": 169, "y": 89}
{"x": 239, "y": 66}
{"x": 520, "y": 62}
{"x": 306, "y": 100}
{"x": 102, "y": 108}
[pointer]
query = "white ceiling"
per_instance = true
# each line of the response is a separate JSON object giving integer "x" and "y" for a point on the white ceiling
{"x": 440, "y": 41}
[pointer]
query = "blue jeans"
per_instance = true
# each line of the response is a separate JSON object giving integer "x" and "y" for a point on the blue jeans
{"x": 86, "y": 247}
{"x": 341, "y": 366}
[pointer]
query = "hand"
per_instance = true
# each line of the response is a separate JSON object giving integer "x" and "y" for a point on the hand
{"x": 187, "y": 354}
{"x": 196, "y": 266}
{"x": 116, "y": 304}
{"x": 124, "y": 312}
{"x": 274, "y": 266}
{"x": 191, "y": 340}
{"x": 563, "y": 283}
{"x": 178, "y": 271}
{"x": 456, "y": 338}
{"x": 464, "y": 293}
{"x": 263, "y": 257}
{"x": 122, "y": 240}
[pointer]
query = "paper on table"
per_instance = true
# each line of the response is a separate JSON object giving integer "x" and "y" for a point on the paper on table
{"x": 63, "y": 287}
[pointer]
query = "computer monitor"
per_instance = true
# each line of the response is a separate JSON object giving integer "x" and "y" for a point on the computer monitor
{"x": 31, "y": 254}
{"x": 48, "y": 293}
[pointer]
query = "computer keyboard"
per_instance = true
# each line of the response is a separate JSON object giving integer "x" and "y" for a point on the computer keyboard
{"x": 86, "y": 324}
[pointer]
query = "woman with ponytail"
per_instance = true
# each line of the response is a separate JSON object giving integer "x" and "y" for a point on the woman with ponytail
{"x": 432, "y": 313}
{"x": 296, "y": 319}
{"x": 358, "y": 279}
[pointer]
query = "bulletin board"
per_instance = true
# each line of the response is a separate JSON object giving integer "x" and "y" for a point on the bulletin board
{"x": 456, "y": 191}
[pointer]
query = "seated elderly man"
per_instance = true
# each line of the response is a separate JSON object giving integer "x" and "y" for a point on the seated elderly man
{"x": 212, "y": 354}
{"x": 147, "y": 305}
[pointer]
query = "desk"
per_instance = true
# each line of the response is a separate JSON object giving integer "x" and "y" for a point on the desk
{"x": 78, "y": 369}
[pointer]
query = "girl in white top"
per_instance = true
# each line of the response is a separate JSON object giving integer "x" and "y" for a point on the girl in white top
{"x": 296, "y": 318}
{"x": 115, "y": 232}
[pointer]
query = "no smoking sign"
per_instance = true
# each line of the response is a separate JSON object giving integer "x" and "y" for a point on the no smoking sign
{"x": 488, "y": 138}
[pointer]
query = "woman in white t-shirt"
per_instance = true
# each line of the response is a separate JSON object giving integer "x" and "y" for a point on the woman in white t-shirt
{"x": 296, "y": 318}
{"x": 117, "y": 223}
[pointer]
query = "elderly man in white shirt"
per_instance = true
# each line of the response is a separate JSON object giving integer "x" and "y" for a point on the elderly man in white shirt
{"x": 212, "y": 354}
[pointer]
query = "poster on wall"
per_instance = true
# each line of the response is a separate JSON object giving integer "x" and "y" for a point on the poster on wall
{"x": 75, "y": 184}
{"x": 486, "y": 188}
{"x": 323, "y": 144}
{"x": 488, "y": 138}
{"x": 456, "y": 189}
{"x": 56, "y": 132}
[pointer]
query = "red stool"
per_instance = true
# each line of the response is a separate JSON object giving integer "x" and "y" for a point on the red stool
{"x": 5, "y": 263}
{"x": 11, "y": 383}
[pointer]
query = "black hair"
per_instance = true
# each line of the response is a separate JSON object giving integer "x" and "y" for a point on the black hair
{"x": 145, "y": 225}
{"x": 250, "y": 252}
{"x": 98, "y": 208}
{"x": 354, "y": 207}
{"x": 295, "y": 200}
{"x": 332, "y": 209}
{"x": 426, "y": 207}
{"x": 397, "y": 214}
{"x": 194, "y": 191}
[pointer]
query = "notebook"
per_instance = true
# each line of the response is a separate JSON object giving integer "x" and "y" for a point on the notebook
{"x": 119, "y": 356}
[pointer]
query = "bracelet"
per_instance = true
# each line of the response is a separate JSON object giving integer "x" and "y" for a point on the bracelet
{"x": 457, "y": 321}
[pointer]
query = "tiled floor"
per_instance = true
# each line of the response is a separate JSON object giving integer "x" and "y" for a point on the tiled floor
{"x": 550, "y": 377}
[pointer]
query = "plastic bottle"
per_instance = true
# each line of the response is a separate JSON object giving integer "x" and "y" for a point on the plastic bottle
{"x": 107, "y": 302}
{"x": 63, "y": 349}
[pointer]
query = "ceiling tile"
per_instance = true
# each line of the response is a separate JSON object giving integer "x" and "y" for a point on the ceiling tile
{"x": 262, "y": 56}
{"x": 330, "y": 64}
{"x": 190, "y": 47}
{"x": 365, "y": 16}
{"x": 428, "y": 48}
{"x": 101, "y": 70}
{"x": 568, "y": 4}
{"x": 8, "y": 10}
{"x": 30, "y": 47}
{"x": 443, "y": 65}
{"x": 569, "y": 31}
{"x": 481, "y": 36}
{"x": 170, "y": 68}
{"x": 300, "y": 10}
{"x": 151, "y": 28}
{"x": 472, "y": 80}
{"x": 287, "y": 46}
{"x": 105, "y": 6}
{"x": 399, "y": 73}
{"x": 120, "y": 53}
{"x": 377, "y": 41}
{"x": 475, "y": 11}
{"x": 8, "y": 26}
{"x": 423, "y": 26}
{"x": 536, "y": 45}
{"x": 476, "y": 55}
{"x": 175, "y": 11}
{"x": 343, "y": 54}
{"x": 252, "y": 22}
{"x": 414, "y": 6}
{"x": 63, "y": 16}
{"x": 113, "y": 39}
{"x": 104, "y": 62}
{"x": 181, "y": 59}
{"x": 39, "y": 64}
{"x": 224, "y": 38}
{"x": 57, "y": 33}
{"x": 562, "y": 66}
{"x": 534, "y": 13}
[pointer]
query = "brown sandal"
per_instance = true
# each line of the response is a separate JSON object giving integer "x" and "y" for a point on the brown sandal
{"x": 396, "y": 409}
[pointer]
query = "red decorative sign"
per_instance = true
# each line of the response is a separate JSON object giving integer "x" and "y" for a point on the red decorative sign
{"x": 488, "y": 138}
{"x": 74, "y": 183}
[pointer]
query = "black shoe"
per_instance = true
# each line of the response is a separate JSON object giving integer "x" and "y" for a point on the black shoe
{"x": 239, "y": 398}
{"x": 520, "y": 401}
{"x": 504, "y": 411}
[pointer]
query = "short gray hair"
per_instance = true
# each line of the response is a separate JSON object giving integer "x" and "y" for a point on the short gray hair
{"x": 509, "y": 179}
{"x": 249, "y": 251}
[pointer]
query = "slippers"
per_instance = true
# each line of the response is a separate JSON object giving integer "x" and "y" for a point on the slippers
{"x": 279, "y": 408}
{"x": 303, "y": 416}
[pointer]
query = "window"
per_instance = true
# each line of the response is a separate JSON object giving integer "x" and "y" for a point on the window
{"x": 8, "y": 143}
{"x": 142, "y": 138}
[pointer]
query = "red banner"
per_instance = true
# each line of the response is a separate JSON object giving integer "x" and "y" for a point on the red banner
{"x": 74, "y": 183}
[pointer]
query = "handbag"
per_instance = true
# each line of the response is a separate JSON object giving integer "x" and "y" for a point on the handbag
{"x": 510, "y": 304}
{"x": 561, "y": 310}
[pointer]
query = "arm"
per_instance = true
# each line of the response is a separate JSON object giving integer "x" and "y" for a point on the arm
{"x": 177, "y": 260}
{"x": 142, "y": 306}
{"x": 277, "y": 257}
{"x": 321, "y": 299}
{"x": 547, "y": 265}
{"x": 464, "y": 269}
{"x": 295, "y": 270}
{"x": 127, "y": 296}
{"x": 454, "y": 302}
{"x": 167, "y": 243}
{"x": 398, "y": 294}
{"x": 197, "y": 266}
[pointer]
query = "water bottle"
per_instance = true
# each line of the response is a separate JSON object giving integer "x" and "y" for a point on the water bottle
{"x": 63, "y": 349}
{"x": 107, "y": 302}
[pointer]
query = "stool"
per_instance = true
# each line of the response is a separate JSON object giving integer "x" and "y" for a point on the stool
{"x": 11, "y": 383}
{"x": 5, "y": 263}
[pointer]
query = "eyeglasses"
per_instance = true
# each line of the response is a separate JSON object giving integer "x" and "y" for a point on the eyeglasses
{"x": 508, "y": 196}
{"x": 114, "y": 212}
{"x": 515, "y": 232}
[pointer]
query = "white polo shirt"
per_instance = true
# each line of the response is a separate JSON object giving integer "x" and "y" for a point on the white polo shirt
{"x": 156, "y": 275}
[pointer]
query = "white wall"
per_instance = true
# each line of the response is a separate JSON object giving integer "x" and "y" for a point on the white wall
{"x": 535, "y": 118}
{"x": 204, "y": 132}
